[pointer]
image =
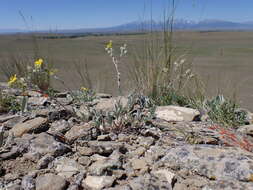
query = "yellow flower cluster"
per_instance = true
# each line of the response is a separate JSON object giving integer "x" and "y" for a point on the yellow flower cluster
{"x": 12, "y": 80}
{"x": 109, "y": 45}
{"x": 38, "y": 63}
{"x": 84, "y": 89}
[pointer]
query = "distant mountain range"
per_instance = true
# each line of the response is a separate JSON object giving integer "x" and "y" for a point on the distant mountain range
{"x": 179, "y": 24}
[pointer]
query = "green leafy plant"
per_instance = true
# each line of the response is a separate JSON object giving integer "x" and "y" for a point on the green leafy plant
{"x": 133, "y": 117}
{"x": 9, "y": 103}
{"x": 84, "y": 95}
{"x": 223, "y": 111}
{"x": 40, "y": 74}
{"x": 20, "y": 83}
{"x": 171, "y": 97}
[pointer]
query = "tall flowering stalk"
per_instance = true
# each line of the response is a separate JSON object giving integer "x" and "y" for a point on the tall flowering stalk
{"x": 116, "y": 60}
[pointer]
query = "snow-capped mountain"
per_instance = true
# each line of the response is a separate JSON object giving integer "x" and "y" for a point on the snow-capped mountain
{"x": 178, "y": 24}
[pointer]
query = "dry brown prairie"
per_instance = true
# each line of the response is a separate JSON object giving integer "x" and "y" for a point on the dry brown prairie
{"x": 223, "y": 59}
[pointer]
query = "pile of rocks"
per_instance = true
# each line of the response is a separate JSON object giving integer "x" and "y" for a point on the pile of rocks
{"x": 51, "y": 148}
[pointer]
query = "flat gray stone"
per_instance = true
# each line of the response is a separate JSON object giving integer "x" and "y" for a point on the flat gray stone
{"x": 50, "y": 181}
{"x": 108, "y": 104}
{"x": 80, "y": 131}
{"x": 170, "y": 177}
{"x": 175, "y": 113}
{"x": 37, "y": 101}
{"x": 104, "y": 147}
{"x": 98, "y": 182}
{"x": 29, "y": 126}
{"x": 246, "y": 129}
{"x": 66, "y": 167}
{"x": 46, "y": 144}
{"x": 213, "y": 162}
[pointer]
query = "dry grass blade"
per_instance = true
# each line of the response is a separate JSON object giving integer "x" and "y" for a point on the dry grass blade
{"x": 81, "y": 68}
{"x": 16, "y": 64}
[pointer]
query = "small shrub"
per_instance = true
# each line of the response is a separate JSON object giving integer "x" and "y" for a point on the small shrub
{"x": 40, "y": 75}
{"x": 132, "y": 118}
{"x": 84, "y": 95}
{"x": 36, "y": 75}
{"x": 223, "y": 111}
{"x": 8, "y": 103}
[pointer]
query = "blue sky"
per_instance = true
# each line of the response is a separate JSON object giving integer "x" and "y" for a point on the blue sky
{"x": 70, "y": 14}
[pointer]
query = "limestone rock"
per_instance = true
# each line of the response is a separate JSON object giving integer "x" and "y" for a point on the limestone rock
{"x": 175, "y": 113}
{"x": 101, "y": 167}
{"x": 211, "y": 161}
{"x": 67, "y": 167}
{"x": 80, "y": 131}
{"x": 28, "y": 183}
{"x": 246, "y": 129}
{"x": 170, "y": 177}
{"x": 149, "y": 182}
{"x": 98, "y": 182}
{"x": 60, "y": 126}
{"x": 45, "y": 144}
{"x": 37, "y": 101}
{"x": 29, "y": 126}
{"x": 106, "y": 165}
{"x": 105, "y": 148}
{"x": 139, "y": 164}
{"x": 6, "y": 117}
{"x": 33, "y": 93}
{"x": 107, "y": 105}
{"x": 50, "y": 181}
{"x": 227, "y": 185}
{"x": 85, "y": 151}
{"x": 44, "y": 161}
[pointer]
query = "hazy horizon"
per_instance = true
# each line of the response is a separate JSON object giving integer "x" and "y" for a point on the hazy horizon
{"x": 52, "y": 15}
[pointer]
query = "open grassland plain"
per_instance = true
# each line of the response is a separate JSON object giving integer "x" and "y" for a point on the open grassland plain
{"x": 224, "y": 60}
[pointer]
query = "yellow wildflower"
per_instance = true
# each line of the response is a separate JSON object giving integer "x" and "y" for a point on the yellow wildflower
{"x": 84, "y": 89}
{"x": 109, "y": 45}
{"x": 38, "y": 63}
{"x": 12, "y": 80}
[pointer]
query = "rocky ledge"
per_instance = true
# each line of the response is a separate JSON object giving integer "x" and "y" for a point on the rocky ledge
{"x": 51, "y": 147}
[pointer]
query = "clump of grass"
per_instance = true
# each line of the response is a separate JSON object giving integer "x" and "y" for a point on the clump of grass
{"x": 83, "y": 72}
{"x": 159, "y": 70}
{"x": 16, "y": 64}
